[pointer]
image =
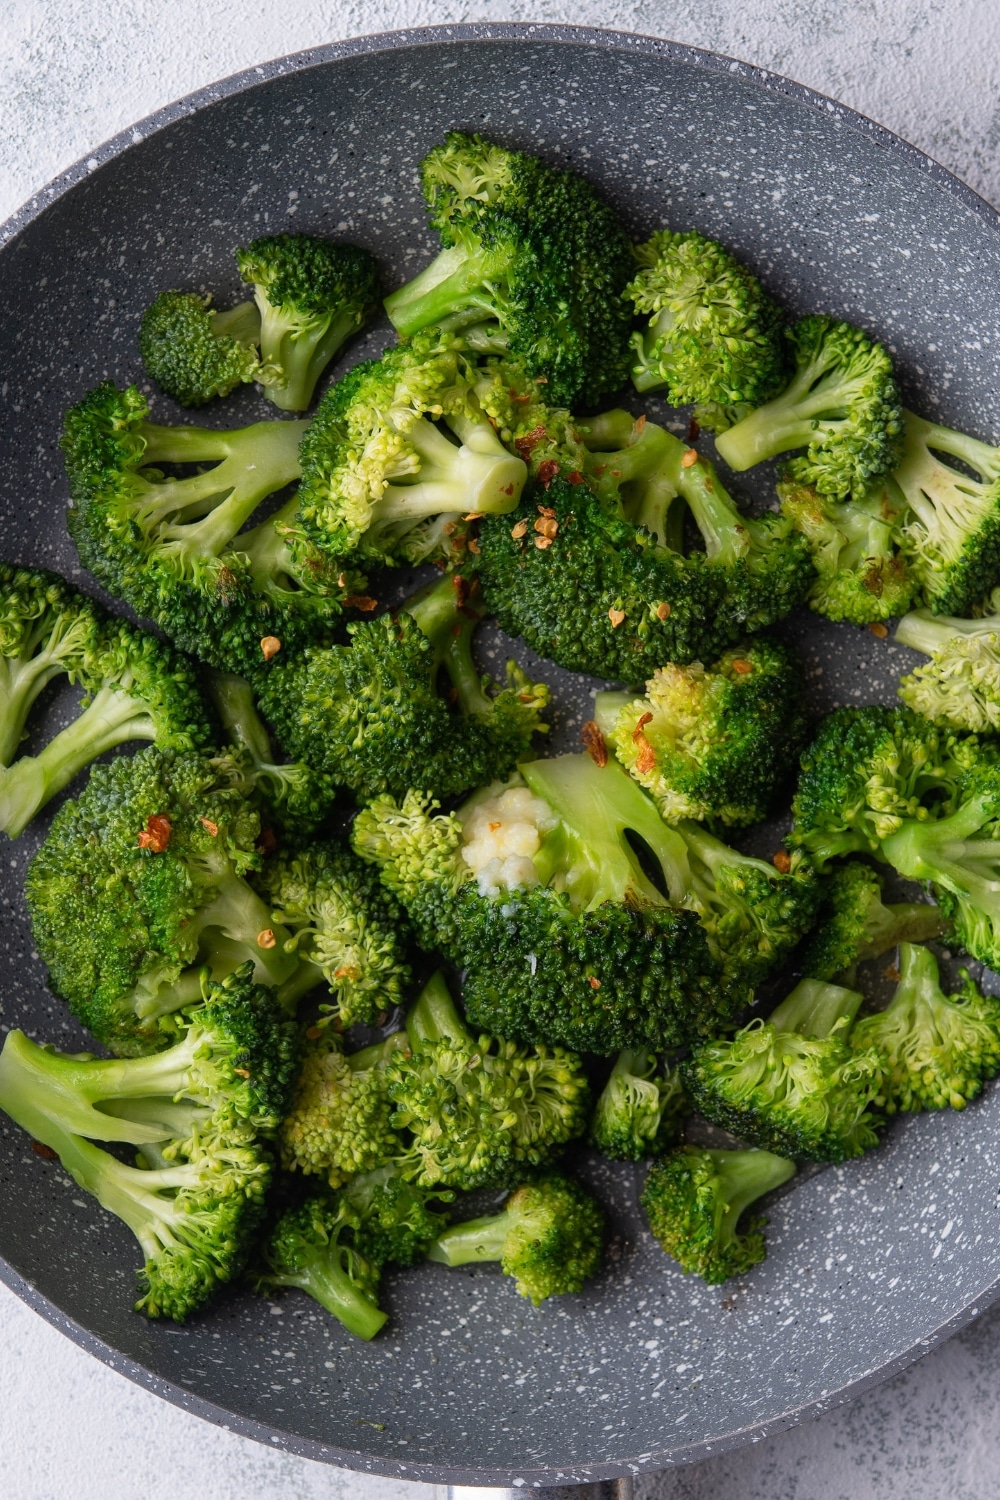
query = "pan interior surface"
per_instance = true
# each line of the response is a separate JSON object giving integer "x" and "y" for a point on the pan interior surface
{"x": 868, "y": 1263}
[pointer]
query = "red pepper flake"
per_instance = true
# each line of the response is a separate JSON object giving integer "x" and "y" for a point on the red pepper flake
{"x": 520, "y": 530}
{"x": 506, "y": 489}
{"x": 519, "y": 399}
{"x": 381, "y": 1018}
{"x": 242, "y": 1072}
{"x": 640, "y": 425}
{"x": 156, "y": 835}
{"x": 527, "y": 444}
{"x": 645, "y": 761}
{"x": 341, "y": 580}
{"x": 546, "y": 510}
{"x": 477, "y": 515}
{"x": 212, "y": 829}
{"x": 743, "y": 667}
{"x": 663, "y": 610}
{"x": 270, "y": 646}
{"x": 542, "y": 542}
{"x": 547, "y": 525}
{"x": 460, "y": 586}
{"x": 574, "y": 477}
{"x": 594, "y": 743}
{"x": 594, "y": 982}
{"x": 547, "y": 471}
{"x": 878, "y": 629}
{"x": 267, "y": 843}
{"x": 313, "y": 1033}
{"x": 782, "y": 862}
{"x": 694, "y": 431}
{"x": 45, "y": 1152}
{"x": 616, "y": 616}
{"x": 689, "y": 457}
{"x": 347, "y": 971}
{"x": 637, "y": 733}
{"x": 364, "y": 602}
{"x": 267, "y": 939}
{"x": 892, "y": 973}
{"x": 473, "y": 546}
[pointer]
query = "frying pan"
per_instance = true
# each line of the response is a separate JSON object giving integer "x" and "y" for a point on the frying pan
{"x": 869, "y": 1264}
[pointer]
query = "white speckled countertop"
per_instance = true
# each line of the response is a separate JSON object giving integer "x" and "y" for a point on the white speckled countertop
{"x": 70, "y": 76}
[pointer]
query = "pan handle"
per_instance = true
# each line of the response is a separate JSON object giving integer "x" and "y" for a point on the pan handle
{"x": 601, "y": 1489}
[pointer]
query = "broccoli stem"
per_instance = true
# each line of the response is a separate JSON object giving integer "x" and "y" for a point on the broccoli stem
{"x": 306, "y": 978}
{"x": 270, "y": 557}
{"x": 25, "y": 676}
{"x": 708, "y": 855}
{"x": 814, "y": 1009}
{"x": 943, "y": 850}
{"x": 901, "y": 922}
{"x": 479, "y": 476}
{"x": 378, "y": 1053}
{"x": 325, "y": 1280}
{"x": 745, "y": 1176}
{"x": 434, "y": 1017}
{"x": 726, "y": 533}
{"x": 302, "y": 353}
{"x": 234, "y": 701}
{"x": 923, "y": 631}
{"x": 792, "y": 419}
{"x": 110, "y": 719}
{"x": 949, "y": 504}
{"x": 241, "y": 323}
{"x": 449, "y": 625}
{"x": 475, "y": 1240}
{"x": 456, "y": 281}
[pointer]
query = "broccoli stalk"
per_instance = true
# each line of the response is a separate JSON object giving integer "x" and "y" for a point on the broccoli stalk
{"x": 862, "y": 575}
{"x": 694, "y": 1200}
{"x": 311, "y": 1248}
{"x": 854, "y": 924}
{"x": 841, "y": 405}
{"x": 549, "y": 1236}
{"x": 938, "y": 1050}
{"x": 199, "y": 1114}
{"x": 794, "y": 1084}
{"x": 952, "y": 537}
{"x": 640, "y": 1109}
{"x": 959, "y": 688}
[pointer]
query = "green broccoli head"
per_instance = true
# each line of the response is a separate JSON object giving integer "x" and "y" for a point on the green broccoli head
{"x": 854, "y": 924}
{"x": 174, "y": 548}
{"x": 714, "y": 336}
{"x": 938, "y": 1050}
{"x": 480, "y": 1109}
{"x": 399, "y": 442}
{"x": 534, "y": 261}
{"x": 715, "y": 742}
{"x": 195, "y": 353}
{"x": 641, "y": 1108}
{"x": 135, "y": 688}
{"x": 313, "y": 1247}
{"x": 952, "y": 534}
{"x": 694, "y": 1200}
{"x": 868, "y": 770}
{"x": 795, "y": 1083}
{"x": 340, "y": 1119}
{"x": 370, "y": 715}
{"x": 311, "y": 295}
{"x": 959, "y": 686}
{"x": 549, "y": 1236}
{"x": 398, "y": 1219}
{"x": 140, "y": 884}
{"x": 841, "y": 405}
{"x": 862, "y": 575}
{"x": 199, "y": 1113}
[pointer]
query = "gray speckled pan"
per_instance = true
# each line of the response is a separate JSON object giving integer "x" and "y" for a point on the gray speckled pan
{"x": 869, "y": 1264}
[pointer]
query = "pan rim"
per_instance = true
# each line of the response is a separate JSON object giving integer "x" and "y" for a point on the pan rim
{"x": 243, "y": 82}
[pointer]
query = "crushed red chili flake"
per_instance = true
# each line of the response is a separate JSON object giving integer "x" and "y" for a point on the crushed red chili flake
{"x": 270, "y": 646}
{"x": 473, "y": 546}
{"x": 546, "y": 510}
{"x": 547, "y": 525}
{"x": 313, "y": 1033}
{"x": 45, "y": 1152}
{"x": 267, "y": 843}
{"x": 267, "y": 939}
{"x": 519, "y": 400}
{"x": 616, "y": 616}
{"x": 461, "y": 588}
{"x": 782, "y": 862}
{"x": 541, "y": 542}
{"x": 364, "y": 602}
{"x": 594, "y": 982}
{"x": 341, "y": 580}
{"x": 594, "y": 743}
{"x": 693, "y": 432}
{"x": 527, "y": 443}
{"x": 878, "y": 629}
{"x": 574, "y": 477}
{"x": 242, "y": 1072}
{"x": 640, "y": 424}
{"x": 381, "y": 1018}
{"x": 689, "y": 457}
{"x": 520, "y": 530}
{"x": 892, "y": 973}
{"x": 743, "y": 667}
{"x": 210, "y": 828}
{"x": 663, "y": 610}
{"x": 156, "y": 835}
{"x": 645, "y": 761}
{"x": 547, "y": 471}
{"x": 477, "y": 515}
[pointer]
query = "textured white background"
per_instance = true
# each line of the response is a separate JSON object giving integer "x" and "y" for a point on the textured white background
{"x": 72, "y": 74}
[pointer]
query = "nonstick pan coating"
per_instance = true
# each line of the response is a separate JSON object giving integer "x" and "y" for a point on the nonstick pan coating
{"x": 869, "y": 1264}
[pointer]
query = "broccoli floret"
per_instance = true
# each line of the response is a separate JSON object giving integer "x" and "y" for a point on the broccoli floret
{"x": 173, "y": 549}
{"x": 340, "y": 1120}
{"x": 140, "y": 883}
{"x": 939, "y": 1050}
{"x": 370, "y": 716}
{"x": 311, "y": 296}
{"x": 694, "y": 1200}
{"x": 344, "y": 925}
{"x": 959, "y": 688}
{"x": 135, "y": 688}
{"x": 714, "y": 335}
{"x": 796, "y": 1083}
{"x": 640, "y": 1109}
{"x": 377, "y": 467}
{"x": 534, "y": 261}
{"x": 841, "y": 405}
{"x": 952, "y": 536}
{"x": 199, "y": 1114}
{"x": 194, "y": 353}
{"x": 713, "y": 743}
{"x": 958, "y": 851}
{"x": 854, "y": 924}
{"x": 867, "y": 770}
{"x": 549, "y": 1236}
{"x": 313, "y": 1248}
{"x": 862, "y": 575}
{"x": 479, "y": 1109}
{"x": 567, "y": 932}
{"x": 299, "y": 798}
